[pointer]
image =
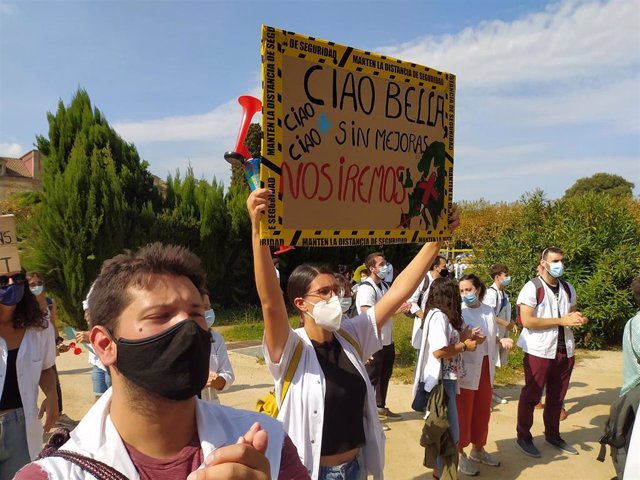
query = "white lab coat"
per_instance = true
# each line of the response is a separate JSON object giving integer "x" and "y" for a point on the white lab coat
{"x": 302, "y": 412}
{"x": 97, "y": 437}
{"x": 543, "y": 343}
{"x": 37, "y": 353}
{"x": 219, "y": 363}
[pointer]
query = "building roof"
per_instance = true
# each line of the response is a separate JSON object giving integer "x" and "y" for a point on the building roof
{"x": 15, "y": 167}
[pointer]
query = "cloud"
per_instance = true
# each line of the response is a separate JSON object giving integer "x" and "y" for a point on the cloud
{"x": 13, "y": 150}
{"x": 569, "y": 40}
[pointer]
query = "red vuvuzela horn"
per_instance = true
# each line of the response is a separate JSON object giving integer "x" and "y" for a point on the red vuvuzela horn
{"x": 240, "y": 154}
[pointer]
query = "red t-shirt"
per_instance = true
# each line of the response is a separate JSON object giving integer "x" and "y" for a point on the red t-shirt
{"x": 185, "y": 462}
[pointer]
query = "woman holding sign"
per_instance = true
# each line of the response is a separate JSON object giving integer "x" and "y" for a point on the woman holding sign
{"x": 329, "y": 410}
{"x": 27, "y": 357}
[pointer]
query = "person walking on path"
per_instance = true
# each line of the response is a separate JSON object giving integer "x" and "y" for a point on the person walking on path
{"x": 548, "y": 313}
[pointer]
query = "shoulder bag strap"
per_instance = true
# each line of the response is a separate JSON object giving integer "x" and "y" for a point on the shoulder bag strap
{"x": 98, "y": 469}
{"x": 291, "y": 369}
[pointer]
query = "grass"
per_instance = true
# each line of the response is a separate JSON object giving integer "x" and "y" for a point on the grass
{"x": 246, "y": 324}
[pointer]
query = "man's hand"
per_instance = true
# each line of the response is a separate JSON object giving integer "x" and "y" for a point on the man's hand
{"x": 507, "y": 343}
{"x": 574, "y": 319}
{"x": 454, "y": 218}
{"x": 215, "y": 381}
{"x": 82, "y": 337}
{"x": 405, "y": 307}
{"x": 243, "y": 461}
{"x": 49, "y": 409}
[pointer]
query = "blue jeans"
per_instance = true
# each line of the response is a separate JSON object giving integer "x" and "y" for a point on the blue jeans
{"x": 452, "y": 413}
{"x": 346, "y": 471}
{"x": 14, "y": 451}
{"x": 101, "y": 381}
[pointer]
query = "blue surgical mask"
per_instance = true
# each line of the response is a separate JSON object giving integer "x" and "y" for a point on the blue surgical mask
{"x": 556, "y": 269}
{"x": 345, "y": 303}
{"x": 209, "y": 317}
{"x": 470, "y": 299}
{"x": 506, "y": 281}
{"x": 37, "y": 290}
{"x": 11, "y": 294}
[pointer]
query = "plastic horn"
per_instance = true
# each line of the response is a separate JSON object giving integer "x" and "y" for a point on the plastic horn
{"x": 240, "y": 154}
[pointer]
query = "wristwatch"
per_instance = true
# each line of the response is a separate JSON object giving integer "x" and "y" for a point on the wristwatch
{"x": 464, "y": 347}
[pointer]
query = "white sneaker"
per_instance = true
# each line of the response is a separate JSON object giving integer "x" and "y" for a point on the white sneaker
{"x": 498, "y": 399}
{"x": 484, "y": 457}
{"x": 465, "y": 466}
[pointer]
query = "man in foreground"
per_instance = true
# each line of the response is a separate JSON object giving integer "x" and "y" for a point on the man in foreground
{"x": 148, "y": 328}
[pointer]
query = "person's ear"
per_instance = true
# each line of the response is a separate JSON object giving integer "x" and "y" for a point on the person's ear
{"x": 301, "y": 305}
{"x": 104, "y": 345}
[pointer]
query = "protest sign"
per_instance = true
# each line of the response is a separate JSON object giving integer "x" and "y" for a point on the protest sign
{"x": 357, "y": 147}
{"x": 9, "y": 257}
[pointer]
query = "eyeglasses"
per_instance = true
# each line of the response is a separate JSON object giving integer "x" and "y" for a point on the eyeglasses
{"x": 326, "y": 292}
{"x": 17, "y": 279}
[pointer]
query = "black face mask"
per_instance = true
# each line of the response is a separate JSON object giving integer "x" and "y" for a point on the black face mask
{"x": 444, "y": 272}
{"x": 173, "y": 364}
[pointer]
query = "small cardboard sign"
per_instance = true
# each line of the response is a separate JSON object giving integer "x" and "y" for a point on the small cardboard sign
{"x": 357, "y": 147}
{"x": 9, "y": 256}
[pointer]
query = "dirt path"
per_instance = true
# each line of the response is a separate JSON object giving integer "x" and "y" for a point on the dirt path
{"x": 595, "y": 384}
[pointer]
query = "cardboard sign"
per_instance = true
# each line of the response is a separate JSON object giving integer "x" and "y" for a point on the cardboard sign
{"x": 357, "y": 147}
{"x": 9, "y": 257}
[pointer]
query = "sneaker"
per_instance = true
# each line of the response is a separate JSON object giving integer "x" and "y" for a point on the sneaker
{"x": 385, "y": 427}
{"x": 561, "y": 445}
{"x": 498, "y": 399}
{"x": 388, "y": 413}
{"x": 563, "y": 414}
{"x": 65, "y": 421}
{"x": 466, "y": 467}
{"x": 484, "y": 457}
{"x": 527, "y": 447}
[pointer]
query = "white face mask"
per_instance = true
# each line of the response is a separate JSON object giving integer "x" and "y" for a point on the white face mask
{"x": 327, "y": 313}
{"x": 345, "y": 303}
{"x": 382, "y": 272}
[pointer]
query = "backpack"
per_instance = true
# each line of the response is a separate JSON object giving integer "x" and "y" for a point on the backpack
{"x": 499, "y": 308}
{"x": 537, "y": 281}
{"x": 96, "y": 468}
{"x": 619, "y": 425}
{"x": 268, "y": 404}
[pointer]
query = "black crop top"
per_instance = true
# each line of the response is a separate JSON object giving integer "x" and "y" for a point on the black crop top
{"x": 343, "y": 424}
{"x": 10, "y": 392}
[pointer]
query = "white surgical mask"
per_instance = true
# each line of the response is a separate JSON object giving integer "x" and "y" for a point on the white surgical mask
{"x": 345, "y": 303}
{"x": 556, "y": 269}
{"x": 209, "y": 317}
{"x": 382, "y": 272}
{"x": 327, "y": 313}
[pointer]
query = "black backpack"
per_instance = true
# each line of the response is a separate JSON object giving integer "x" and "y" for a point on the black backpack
{"x": 619, "y": 426}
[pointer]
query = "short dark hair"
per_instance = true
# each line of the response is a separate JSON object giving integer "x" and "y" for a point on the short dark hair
{"x": 445, "y": 296}
{"x": 109, "y": 296}
{"x": 480, "y": 286}
{"x": 498, "y": 269}
{"x": 548, "y": 250}
{"x": 370, "y": 261}
{"x": 302, "y": 277}
{"x": 635, "y": 291}
{"x": 436, "y": 261}
{"x": 343, "y": 282}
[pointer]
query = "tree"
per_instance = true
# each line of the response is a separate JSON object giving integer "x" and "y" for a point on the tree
{"x": 612, "y": 185}
{"x": 95, "y": 191}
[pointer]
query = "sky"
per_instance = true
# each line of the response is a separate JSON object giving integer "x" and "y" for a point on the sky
{"x": 547, "y": 92}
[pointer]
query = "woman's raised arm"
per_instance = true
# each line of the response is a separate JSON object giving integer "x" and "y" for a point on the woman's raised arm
{"x": 274, "y": 311}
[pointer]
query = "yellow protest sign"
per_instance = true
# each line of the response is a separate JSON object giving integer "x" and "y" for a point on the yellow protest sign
{"x": 357, "y": 147}
{"x": 9, "y": 257}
